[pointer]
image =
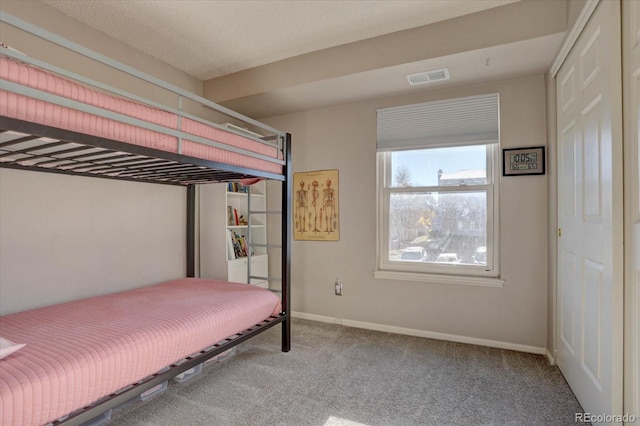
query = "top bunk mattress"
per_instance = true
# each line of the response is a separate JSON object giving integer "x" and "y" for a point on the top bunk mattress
{"x": 29, "y": 109}
{"x": 78, "y": 352}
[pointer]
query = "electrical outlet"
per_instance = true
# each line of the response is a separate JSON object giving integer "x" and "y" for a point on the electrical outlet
{"x": 338, "y": 288}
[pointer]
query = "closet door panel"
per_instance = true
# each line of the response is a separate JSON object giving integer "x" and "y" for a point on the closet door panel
{"x": 590, "y": 243}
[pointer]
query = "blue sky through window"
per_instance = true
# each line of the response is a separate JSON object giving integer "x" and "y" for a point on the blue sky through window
{"x": 423, "y": 165}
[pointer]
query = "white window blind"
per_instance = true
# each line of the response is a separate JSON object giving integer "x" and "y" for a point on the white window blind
{"x": 450, "y": 122}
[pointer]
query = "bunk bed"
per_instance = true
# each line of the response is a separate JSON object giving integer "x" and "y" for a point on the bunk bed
{"x": 56, "y": 121}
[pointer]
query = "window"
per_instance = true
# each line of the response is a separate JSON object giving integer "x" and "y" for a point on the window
{"x": 437, "y": 192}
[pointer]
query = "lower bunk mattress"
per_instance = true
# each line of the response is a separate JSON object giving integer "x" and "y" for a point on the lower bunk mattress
{"x": 78, "y": 352}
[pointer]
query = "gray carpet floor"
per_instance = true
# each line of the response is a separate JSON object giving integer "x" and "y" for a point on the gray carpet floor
{"x": 341, "y": 376}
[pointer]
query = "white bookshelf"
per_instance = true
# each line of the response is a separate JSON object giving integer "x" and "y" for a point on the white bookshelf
{"x": 218, "y": 260}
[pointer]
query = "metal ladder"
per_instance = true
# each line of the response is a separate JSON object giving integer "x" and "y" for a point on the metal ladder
{"x": 252, "y": 213}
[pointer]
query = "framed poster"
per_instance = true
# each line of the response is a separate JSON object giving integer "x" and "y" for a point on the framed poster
{"x": 315, "y": 206}
{"x": 523, "y": 161}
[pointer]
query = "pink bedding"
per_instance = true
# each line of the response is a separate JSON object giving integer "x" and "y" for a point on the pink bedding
{"x": 79, "y": 352}
{"x": 33, "y": 110}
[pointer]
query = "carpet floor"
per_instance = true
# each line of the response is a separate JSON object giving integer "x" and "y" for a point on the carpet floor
{"x": 342, "y": 376}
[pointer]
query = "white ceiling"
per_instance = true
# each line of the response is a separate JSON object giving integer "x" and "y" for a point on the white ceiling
{"x": 270, "y": 57}
{"x": 210, "y": 38}
{"x": 501, "y": 62}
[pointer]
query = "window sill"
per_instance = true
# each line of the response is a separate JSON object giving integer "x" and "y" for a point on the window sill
{"x": 440, "y": 278}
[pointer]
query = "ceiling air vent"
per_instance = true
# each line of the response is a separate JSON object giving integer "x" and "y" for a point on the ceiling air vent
{"x": 428, "y": 76}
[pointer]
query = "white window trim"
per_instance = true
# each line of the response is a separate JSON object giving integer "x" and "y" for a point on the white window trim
{"x": 487, "y": 276}
{"x": 439, "y": 278}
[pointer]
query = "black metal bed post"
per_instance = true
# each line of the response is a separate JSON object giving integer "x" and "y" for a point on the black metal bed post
{"x": 287, "y": 191}
{"x": 191, "y": 230}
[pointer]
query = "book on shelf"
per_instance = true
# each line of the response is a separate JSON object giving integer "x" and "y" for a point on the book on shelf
{"x": 237, "y": 187}
{"x": 231, "y": 250}
{"x": 237, "y": 245}
{"x": 230, "y": 218}
{"x": 234, "y": 218}
{"x": 235, "y": 249}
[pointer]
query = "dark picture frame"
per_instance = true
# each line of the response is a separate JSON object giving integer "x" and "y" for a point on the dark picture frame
{"x": 523, "y": 161}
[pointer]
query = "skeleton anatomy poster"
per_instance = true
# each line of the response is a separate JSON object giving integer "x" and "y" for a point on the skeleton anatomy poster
{"x": 315, "y": 206}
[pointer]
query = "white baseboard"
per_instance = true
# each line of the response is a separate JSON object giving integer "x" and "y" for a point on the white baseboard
{"x": 550, "y": 357}
{"x": 314, "y": 317}
{"x": 423, "y": 333}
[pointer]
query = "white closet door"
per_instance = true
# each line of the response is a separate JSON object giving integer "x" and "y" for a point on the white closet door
{"x": 631, "y": 105}
{"x": 590, "y": 248}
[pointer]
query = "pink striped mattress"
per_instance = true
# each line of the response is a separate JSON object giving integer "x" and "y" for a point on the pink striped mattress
{"x": 81, "y": 351}
{"x": 32, "y": 110}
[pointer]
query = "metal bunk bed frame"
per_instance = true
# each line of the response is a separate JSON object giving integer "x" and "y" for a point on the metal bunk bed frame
{"x": 86, "y": 155}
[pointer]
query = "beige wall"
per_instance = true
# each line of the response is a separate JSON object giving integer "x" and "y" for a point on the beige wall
{"x": 341, "y": 137}
{"x": 53, "y": 20}
{"x": 574, "y": 7}
{"x": 63, "y": 238}
{"x": 344, "y": 138}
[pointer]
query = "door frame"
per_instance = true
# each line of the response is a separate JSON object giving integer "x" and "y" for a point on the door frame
{"x": 632, "y": 211}
{"x": 570, "y": 40}
{"x": 618, "y": 235}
